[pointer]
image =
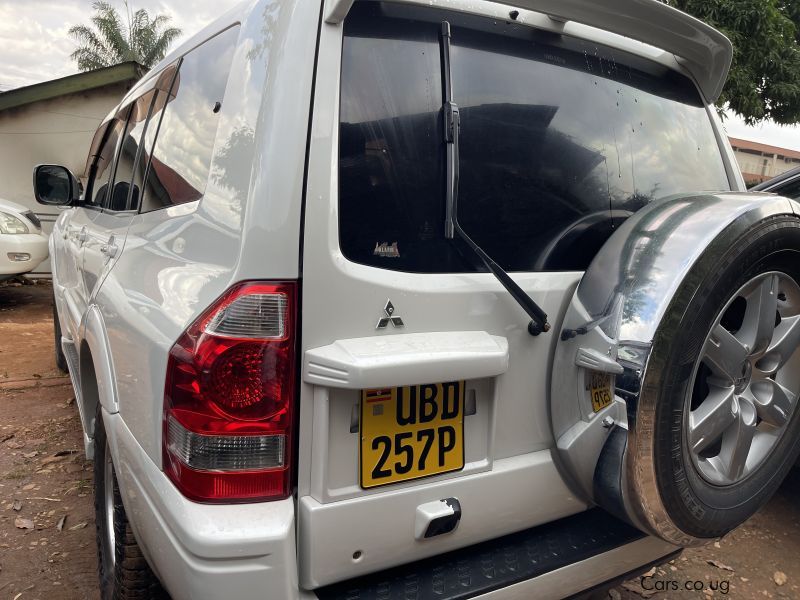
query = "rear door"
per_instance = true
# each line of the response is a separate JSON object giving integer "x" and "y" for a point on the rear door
{"x": 421, "y": 383}
{"x": 78, "y": 222}
{"x": 107, "y": 230}
{"x": 73, "y": 231}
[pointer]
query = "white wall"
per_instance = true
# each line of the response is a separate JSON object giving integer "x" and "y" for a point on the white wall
{"x": 56, "y": 131}
{"x": 753, "y": 164}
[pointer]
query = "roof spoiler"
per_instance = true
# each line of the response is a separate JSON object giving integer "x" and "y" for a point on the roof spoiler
{"x": 705, "y": 52}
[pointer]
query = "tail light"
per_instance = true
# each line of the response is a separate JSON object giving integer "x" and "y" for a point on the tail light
{"x": 229, "y": 397}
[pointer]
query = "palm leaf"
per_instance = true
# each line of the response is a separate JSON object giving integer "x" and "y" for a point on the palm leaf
{"x": 110, "y": 40}
{"x": 159, "y": 47}
{"x": 89, "y": 44}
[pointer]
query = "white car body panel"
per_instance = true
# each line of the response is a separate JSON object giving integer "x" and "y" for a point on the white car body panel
{"x": 360, "y": 523}
{"x": 194, "y": 546}
{"x": 122, "y": 316}
{"x": 33, "y": 243}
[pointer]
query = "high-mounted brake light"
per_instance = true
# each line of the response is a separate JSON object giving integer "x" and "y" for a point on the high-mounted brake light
{"x": 229, "y": 397}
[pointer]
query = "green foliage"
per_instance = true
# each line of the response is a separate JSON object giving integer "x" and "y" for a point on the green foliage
{"x": 764, "y": 81}
{"x": 111, "y": 41}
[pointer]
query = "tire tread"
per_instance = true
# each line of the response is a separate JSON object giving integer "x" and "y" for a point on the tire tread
{"x": 131, "y": 578}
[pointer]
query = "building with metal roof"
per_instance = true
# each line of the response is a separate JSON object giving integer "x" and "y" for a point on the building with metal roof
{"x": 53, "y": 122}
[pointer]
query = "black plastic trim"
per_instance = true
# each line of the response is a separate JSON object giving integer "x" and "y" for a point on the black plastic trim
{"x": 492, "y": 565}
{"x": 770, "y": 184}
{"x": 608, "y": 474}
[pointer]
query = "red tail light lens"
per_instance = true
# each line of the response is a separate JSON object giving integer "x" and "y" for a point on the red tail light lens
{"x": 229, "y": 397}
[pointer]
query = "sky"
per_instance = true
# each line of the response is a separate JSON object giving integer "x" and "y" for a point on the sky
{"x": 34, "y": 47}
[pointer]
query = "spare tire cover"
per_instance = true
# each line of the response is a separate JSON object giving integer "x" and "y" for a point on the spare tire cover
{"x": 644, "y": 323}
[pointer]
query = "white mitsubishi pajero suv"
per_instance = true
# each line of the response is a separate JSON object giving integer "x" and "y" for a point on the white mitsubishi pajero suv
{"x": 424, "y": 299}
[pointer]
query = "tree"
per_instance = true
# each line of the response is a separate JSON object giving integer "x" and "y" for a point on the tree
{"x": 764, "y": 82}
{"x": 142, "y": 38}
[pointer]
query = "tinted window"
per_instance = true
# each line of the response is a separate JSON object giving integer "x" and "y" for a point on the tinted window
{"x": 390, "y": 157}
{"x": 560, "y": 140}
{"x": 555, "y": 132}
{"x": 790, "y": 190}
{"x": 181, "y": 157}
{"x": 96, "y": 191}
{"x": 123, "y": 198}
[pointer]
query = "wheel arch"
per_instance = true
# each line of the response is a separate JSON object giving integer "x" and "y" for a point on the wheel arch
{"x": 88, "y": 397}
{"x": 97, "y": 382}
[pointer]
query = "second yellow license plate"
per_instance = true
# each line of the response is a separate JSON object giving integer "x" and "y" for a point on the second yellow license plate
{"x": 599, "y": 390}
{"x": 411, "y": 432}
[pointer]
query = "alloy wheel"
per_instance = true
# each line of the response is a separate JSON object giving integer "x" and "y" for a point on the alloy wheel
{"x": 746, "y": 381}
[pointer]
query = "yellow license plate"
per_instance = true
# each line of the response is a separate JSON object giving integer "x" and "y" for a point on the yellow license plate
{"x": 411, "y": 432}
{"x": 600, "y": 390}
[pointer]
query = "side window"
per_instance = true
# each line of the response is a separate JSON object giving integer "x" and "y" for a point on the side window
{"x": 792, "y": 190}
{"x": 96, "y": 190}
{"x": 122, "y": 196}
{"x": 184, "y": 142}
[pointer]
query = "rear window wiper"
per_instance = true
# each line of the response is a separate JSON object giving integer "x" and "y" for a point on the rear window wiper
{"x": 452, "y": 124}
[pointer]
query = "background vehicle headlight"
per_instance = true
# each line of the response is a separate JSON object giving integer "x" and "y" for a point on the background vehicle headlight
{"x": 11, "y": 224}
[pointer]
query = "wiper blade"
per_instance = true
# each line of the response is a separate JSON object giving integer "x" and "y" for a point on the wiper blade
{"x": 452, "y": 125}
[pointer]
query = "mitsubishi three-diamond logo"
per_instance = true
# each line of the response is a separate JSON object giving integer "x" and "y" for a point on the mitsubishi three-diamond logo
{"x": 390, "y": 317}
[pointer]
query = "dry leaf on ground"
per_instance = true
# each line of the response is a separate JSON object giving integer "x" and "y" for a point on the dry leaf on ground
{"x": 719, "y": 565}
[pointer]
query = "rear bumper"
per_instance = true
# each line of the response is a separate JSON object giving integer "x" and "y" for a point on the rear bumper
{"x": 556, "y": 560}
{"x": 202, "y": 551}
{"x": 34, "y": 244}
{"x": 248, "y": 551}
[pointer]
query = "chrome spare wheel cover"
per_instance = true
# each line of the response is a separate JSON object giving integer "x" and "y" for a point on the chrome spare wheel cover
{"x": 746, "y": 380}
{"x": 108, "y": 501}
{"x": 627, "y": 304}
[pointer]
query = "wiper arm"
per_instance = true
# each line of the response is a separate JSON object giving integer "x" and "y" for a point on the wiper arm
{"x": 452, "y": 124}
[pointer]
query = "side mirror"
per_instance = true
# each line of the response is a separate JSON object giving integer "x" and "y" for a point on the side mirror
{"x": 55, "y": 185}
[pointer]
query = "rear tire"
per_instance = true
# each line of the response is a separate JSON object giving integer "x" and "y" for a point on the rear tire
{"x": 698, "y": 504}
{"x": 61, "y": 360}
{"x": 123, "y": 571}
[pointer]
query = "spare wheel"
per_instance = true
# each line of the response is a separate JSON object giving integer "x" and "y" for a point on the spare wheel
{"x": 690, "y": 317}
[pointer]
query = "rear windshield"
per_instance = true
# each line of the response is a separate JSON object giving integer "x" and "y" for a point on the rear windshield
{"x": 561, "y": 140}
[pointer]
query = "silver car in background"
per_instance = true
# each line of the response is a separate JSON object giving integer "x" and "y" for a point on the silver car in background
{"x": 23, "y": 246}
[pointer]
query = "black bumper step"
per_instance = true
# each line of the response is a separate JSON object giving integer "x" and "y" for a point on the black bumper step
{"x": 492, "y": 565}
